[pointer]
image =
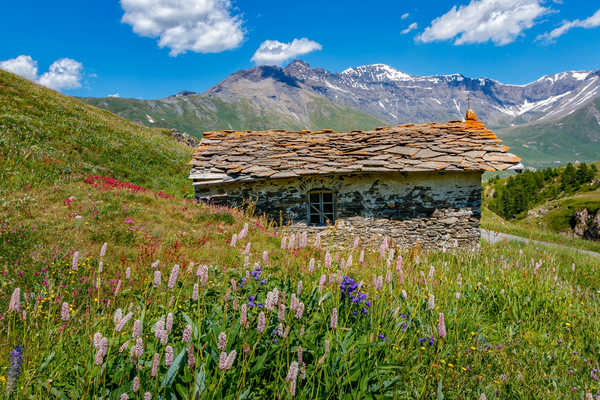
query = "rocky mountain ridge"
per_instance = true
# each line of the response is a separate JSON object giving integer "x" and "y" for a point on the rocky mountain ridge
{"x": 397, "y": 97}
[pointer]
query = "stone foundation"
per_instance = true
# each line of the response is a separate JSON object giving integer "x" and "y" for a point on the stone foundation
{"x": 447, "y": 229}
{"x": 429, "y": 209}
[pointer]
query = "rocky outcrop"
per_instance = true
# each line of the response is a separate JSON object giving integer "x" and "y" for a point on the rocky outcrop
{"x": 593, "y": 231}
{"x": 184, "y": 138}
{"x": 581, "y": 221}
{"x": 586, "y": 224}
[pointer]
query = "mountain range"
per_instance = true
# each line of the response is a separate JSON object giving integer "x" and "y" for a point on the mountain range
{"x": 555, "y": 118}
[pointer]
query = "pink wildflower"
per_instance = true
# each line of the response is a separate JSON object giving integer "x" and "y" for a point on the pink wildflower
{"x": 431, "y": 302}
{"x": 65, "y": 313}
{"x": 191, "y": 359}
{"x": 147, "y": 396}
{"x": 260, "y": 326}
{"x": 292, "y": 376}
{"x": 334, "y": 318}
{"x": 75, "y": 264}
{"x": 322, "y": 282}
{"x": 311, "y": 265}
{"x": 399, "y": 263}
{"x": 139, "y": 347}
{"x": 361, "y": 258}
{"x": 265, "y": 257}
{"x": 202, "y": 273}
{"x": 128, "y": 273}
{"x": 136, "y": 384}
{"x": 327, "y": 260}
{"x": 195, "y": 292}
{"x": 103, "y": 250}
{"x": 168, "y": 356}
{"x": 155, "y": 362}
{"x": 299, "y": 310}
{"x": 157, "y": 279}
{"x": 223, "y": 361}
{"x": 137, "y": 328}
{"x": 97, "y": 340}
{"x": 230, "y": 359}
{"x": 123, "y": 322}
{"x": 173, "y": 276}
{"x": 244, "y": 315}
{"x": 299, "y": 288}
{"x": 281, "y": 313}
{"x": 442, "y": 326}
{"x": 234, "y": 239}
{"x": 222, "y": 341}
{"x": 247, "y": 249}
{"x": 169, "y": 324}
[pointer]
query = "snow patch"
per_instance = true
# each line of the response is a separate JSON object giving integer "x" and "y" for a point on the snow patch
{"x": 437, "y": 101}
{"x": 530, "y": 106}
{"x": 378, "y": 72}
{"x": 580, "y": 76}
{"x": 457, "y": 107}
{"x": 149, "y": 118}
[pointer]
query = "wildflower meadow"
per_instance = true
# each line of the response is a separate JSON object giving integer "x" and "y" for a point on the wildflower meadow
{"x": 122, "y": 293}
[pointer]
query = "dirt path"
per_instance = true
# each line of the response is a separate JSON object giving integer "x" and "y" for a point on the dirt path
{"x": 495, "y": 237}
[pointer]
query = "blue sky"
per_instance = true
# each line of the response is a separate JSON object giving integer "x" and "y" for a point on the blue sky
{"x": 513, "y": 41}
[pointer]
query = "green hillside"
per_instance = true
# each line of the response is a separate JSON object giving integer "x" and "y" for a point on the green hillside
{"x": 542, "y": 204}
{"x": 574, "y": 137}
{"x": 195, "y": 114}
{"x": 46, "y": 137}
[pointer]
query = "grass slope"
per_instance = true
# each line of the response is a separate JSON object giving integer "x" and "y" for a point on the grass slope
{"x": 574, "y": 137}
{"x": 47, "y": 136}
{"x": 195, "y": 114}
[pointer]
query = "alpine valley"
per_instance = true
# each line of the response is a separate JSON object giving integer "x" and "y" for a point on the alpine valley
{"x": 552, "y": 120}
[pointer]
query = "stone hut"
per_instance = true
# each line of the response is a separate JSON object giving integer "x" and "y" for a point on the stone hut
{"x": 415, "y": 183}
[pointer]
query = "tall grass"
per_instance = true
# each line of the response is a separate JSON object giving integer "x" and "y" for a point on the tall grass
{"x": 521, "y": 322}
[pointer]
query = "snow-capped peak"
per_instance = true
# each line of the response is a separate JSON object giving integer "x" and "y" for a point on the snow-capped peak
{"x": 377, "y": 72}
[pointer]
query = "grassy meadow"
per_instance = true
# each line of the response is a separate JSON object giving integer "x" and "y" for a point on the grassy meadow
{"x": 114, "y": 285}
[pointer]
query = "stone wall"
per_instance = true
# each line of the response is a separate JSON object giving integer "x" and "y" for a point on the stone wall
{"x": 432, "y": 209}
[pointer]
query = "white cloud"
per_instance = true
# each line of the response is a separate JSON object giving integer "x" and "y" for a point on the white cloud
{"x": 202, "y": 26}
{"x": 115, "y": 95}
{"x": 273, "y": 52}
{"x": 591, "y": 22}
{"x": 63, "y": 74}
{"x": 404, "y": 16}
{"x": 410, "y": 28}
{"x": 500, "y": 21}
{"x": 24, "y": 66}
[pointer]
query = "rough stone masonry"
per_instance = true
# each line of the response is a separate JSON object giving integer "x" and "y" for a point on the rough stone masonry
{"x": 432, "y": 209}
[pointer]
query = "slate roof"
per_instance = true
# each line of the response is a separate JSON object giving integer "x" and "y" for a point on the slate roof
{"x": 232, "y": 156}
